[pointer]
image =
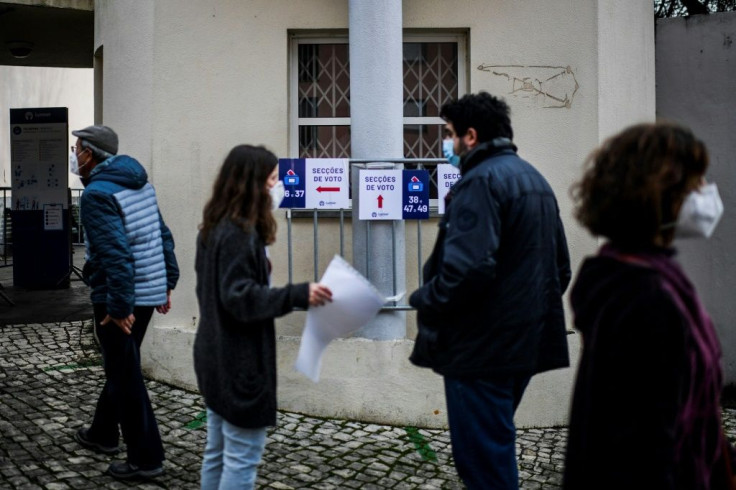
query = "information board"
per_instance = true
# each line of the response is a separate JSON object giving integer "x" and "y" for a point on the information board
{"x": 39, "y": 158}
{"x": 390, "y": 194}
{"x": 39, "y": 163}
{"x": 380, "y": 194}
{"x": 415, "y": 194}
{"x": 315, "y": 183}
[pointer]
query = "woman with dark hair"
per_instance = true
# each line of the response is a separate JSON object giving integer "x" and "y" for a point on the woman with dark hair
{"x": 235, "y": 345}
{"x": 646, "y": 407}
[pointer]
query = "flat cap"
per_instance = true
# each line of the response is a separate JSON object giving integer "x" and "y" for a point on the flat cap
{"x": 101, "y": 137}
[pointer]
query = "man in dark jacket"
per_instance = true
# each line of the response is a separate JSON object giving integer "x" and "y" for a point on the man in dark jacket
{"x": 131, "y": 268}
{"x": 490, "y": 312}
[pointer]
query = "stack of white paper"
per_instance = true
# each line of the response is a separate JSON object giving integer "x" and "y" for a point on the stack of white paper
{"x": 354, "y": 302}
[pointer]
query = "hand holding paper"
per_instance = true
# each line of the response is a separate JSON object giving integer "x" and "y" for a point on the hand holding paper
{"x": 319, "y": 294}
{"x": 354, "y": 302}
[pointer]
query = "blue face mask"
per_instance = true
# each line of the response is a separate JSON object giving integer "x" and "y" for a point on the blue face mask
{"x": 449, "y": 153}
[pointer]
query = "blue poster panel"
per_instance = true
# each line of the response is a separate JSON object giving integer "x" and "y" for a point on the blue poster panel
{"x": 415, "y": 193}
{"x": 292, "y": 172}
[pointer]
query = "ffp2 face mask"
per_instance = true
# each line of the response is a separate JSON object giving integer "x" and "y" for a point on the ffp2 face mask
{"x": 277, "y": 195}
{"x": 700, "y": 213}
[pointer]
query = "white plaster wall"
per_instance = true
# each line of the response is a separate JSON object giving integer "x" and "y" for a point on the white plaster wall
{"x": 124, "y": 28}
{"x": 207, "y": 76}
{"x": 696, "y": 83}
{"x": 220, "y": 80}
{"x": 365, "y": 380}
{"x": 626, "y": 85}
{"x": 22, "y": 86}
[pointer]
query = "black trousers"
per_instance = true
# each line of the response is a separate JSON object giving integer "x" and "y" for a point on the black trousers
{"x": 124, "y": 399}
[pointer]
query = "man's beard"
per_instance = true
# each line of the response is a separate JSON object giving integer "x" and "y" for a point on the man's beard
{"x": 462, "y": 149}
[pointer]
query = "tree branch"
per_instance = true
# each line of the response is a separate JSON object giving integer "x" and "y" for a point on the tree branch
{"x": 694, "y": 7}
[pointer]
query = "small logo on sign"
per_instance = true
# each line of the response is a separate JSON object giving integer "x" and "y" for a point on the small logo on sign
{"x": 415, "y": 185}
{"x": 291, "y": 178}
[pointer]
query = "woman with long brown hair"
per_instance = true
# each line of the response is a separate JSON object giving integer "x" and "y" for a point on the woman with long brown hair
{"x": 235, "y": 345}
{"x": 646, "y": 407}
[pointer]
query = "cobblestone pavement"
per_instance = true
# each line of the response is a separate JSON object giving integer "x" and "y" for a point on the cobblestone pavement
{"x": 50, "y": 377}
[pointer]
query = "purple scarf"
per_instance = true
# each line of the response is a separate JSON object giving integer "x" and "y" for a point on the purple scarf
{"x": 699, "y": 438}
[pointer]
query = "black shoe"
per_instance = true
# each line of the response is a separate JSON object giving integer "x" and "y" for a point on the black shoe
{"x": 82, "y": 437}
{"x": 123, "y": 470}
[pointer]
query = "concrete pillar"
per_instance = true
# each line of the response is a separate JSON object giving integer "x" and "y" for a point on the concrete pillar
{"x": 376, "y": 112}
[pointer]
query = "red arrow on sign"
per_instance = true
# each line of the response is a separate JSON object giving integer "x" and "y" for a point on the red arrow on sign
{"x": 380, "y": 201}
{"x": 328, "y": 189}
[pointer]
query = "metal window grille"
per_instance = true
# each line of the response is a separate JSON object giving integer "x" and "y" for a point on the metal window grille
{"x": 432, "y": 76}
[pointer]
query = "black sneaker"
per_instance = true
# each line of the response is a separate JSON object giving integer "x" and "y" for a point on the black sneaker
{"x": 123, "y": 470}
{"x": 82, "y": 437}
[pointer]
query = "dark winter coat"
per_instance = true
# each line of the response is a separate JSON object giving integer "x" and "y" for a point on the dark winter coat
{"x": 634, "y": 381}
{"x": 491, "y": 303}
{"x": 235, "y": 344}
{"x": 130, "y": 250}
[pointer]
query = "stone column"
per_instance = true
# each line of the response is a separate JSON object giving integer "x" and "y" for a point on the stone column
{"x": 376, "y": 112}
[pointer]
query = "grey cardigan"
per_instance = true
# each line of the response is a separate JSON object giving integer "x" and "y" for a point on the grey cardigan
{"x": 235, "y": 345}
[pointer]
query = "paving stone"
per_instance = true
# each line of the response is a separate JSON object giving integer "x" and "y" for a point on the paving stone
{"x": 57, "y": 486}
{"x": 280, "y": 485}
{"x": 50, "y": 388}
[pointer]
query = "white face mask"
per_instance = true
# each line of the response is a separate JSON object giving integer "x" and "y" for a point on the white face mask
{"x": 277, "y": 195}
{"x": 74, "y": 164}
{"x": 700, "y": 212}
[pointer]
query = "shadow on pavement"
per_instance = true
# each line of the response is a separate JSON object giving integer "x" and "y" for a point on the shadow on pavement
{"x": 45, "y": 305}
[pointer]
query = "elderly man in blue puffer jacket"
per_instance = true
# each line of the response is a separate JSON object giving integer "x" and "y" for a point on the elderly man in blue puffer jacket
{"x": 131, "y": 268}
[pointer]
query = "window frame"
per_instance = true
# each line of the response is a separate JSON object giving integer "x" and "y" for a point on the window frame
{"x": 296, "y": 38}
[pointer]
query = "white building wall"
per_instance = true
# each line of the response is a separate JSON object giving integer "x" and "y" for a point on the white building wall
{"x": 625, "y": 62}
{"x": 200, "y": 77}
{"x": 696, "y": 83}
{"x": 125, "y": 30}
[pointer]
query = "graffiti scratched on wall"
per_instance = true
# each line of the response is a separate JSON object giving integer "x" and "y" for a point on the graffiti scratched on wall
{"x": 552, "y": 87}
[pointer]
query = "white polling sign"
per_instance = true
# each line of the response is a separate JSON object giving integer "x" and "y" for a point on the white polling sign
{"x": 315, "y": 183}
{"x": 447, "y": 175}
{"x": 327, "y": 183}
{"x": 380, "y": 194}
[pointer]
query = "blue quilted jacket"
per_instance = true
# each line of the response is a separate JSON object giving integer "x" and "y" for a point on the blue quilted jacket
{"x": 130, "y": 250}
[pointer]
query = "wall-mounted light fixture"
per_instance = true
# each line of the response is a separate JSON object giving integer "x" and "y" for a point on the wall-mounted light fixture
{"x": 20, "y": 49}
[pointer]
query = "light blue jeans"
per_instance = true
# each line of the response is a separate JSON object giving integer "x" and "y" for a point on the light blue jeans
{"x": 231, "y": 455}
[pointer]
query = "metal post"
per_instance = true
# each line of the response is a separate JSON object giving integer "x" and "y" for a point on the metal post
{"x": 393, "y": 259}
{"x": 5, "y": 229}
{"x": 316, "y": 247}
{"x": 288, "y": 240}
{"x": 367, "y": 252}
{"x": 376, "y": 120}
{"x": 342, "y": 232}
{"x": 420, "y": 277}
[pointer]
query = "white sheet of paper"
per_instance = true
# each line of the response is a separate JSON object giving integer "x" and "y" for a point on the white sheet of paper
{"x": 354, "y": 302}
